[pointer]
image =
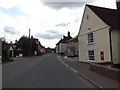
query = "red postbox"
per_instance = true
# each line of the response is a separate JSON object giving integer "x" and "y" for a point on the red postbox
{"x": 102, "y": 55}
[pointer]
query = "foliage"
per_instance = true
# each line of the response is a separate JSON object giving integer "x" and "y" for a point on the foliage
{"x": 5, "y": 56}
{"x": 27, "y": 45}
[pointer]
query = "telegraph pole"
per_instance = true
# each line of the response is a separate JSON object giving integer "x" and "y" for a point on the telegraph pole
{"x": 29, "y": 33}
{"x": 30, "y": 43}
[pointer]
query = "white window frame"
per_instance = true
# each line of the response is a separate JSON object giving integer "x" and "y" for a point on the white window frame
{"x": 91, "y": 55}
{"x": 90, "y": 38}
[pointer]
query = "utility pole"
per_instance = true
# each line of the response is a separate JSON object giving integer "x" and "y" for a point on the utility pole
{"x": 29, "y": 33}
{"x": 30, "y": 43}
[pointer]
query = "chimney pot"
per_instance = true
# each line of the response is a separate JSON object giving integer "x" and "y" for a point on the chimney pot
{"x": 68, "y": 33}
{"x": 118, "y": 4}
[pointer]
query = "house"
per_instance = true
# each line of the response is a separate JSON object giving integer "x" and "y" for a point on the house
{"x": 11, "y": 51}
{"x": 41, "y": 49}
{"x": 98, "y": 35}
{"x": 37, "y": 48}
{"x": 62, "y": 44}
{"x": 72, "y": 47}
{"x": 48, "y": 50}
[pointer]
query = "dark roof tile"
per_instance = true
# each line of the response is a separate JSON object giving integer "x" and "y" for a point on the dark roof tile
{"x": 64, "y": 40}
{"x": 109, "y": 16}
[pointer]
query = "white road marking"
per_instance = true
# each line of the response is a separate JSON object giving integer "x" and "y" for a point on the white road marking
{"x": 80, "y": 74}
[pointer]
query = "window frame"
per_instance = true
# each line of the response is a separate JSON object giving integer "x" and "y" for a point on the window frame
{"x": 92, "y": 55}
{"x": 90, "y": 38}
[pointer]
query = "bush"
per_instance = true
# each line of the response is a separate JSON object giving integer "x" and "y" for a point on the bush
{"x": 5, "y": 57}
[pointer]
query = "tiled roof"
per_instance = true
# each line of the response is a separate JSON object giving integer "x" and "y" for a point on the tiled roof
{"x": 64, "y": 40}
{"x": 109, "y": 16}
{"x": 75, "y": 38}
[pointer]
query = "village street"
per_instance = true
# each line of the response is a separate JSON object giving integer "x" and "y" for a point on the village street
{"x": 45, "y": 71}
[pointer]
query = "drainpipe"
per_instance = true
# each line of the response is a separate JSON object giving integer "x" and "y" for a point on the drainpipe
{"x": 110, "y": 45}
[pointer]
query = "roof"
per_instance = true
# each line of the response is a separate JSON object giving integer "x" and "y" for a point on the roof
{"x": 109, "y": 16}
{"x": 75, "y": 38}
{"x": 64, "y": 40}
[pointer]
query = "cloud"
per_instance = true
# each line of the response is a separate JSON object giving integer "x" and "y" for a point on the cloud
{"x": 60, "y": 5}
{"x": 10, "y": 30}
{"x": 52, "y": 31}
{"x": 62, "y": 24}
{"x": 48, "y": 36}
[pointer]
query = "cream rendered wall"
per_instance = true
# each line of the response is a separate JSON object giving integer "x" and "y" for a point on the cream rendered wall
{"x": 72, "y": 44}
{"x": 63, "y": 47}
{"x": 60, "y": 47}
{"x": 76, "y": 49}
{"x": 57, "y": 49}
{"x": 101, "y": 37}
{"x": 115, "y": 35}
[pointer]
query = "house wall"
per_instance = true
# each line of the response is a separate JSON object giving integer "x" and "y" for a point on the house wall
{"x": 57, "y": 49}
{"x": 115, "y": 37}
{"x": 11, "y": 52}
{"x": 75, "y": 45}
{"x": 76, "y": 48}
{"x": 62, "y": 47}
{"x": 92, "y": 23}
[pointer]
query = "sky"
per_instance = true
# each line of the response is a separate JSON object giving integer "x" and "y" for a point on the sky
{"x": 48, "y": 20}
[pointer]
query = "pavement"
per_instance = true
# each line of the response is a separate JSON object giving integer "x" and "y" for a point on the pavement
{"x": 83, "y": 69}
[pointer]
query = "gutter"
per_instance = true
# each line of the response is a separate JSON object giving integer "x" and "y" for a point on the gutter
{"x": 111, "y": 54}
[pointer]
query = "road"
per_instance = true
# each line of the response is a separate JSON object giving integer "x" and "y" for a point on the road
{"x": 45, "y": 71}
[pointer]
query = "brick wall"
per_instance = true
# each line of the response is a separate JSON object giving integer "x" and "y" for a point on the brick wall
{"x": 110, "y": 72}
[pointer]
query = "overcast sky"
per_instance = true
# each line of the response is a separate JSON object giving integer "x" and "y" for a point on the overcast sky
{"x": 48, "y": 21}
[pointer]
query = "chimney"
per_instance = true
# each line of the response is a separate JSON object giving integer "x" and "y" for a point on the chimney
{"x": 16, "y": 41}
{"x": 31, "y": 37}
{"x": 63, "y": 36}
{"x": 68, "y": 34}
{"x": 118, "y": 4}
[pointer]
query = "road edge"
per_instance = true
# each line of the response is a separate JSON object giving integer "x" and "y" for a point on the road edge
{"x": 85, "y": 77}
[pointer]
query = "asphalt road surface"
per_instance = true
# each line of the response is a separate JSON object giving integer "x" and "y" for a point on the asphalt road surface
{"x": 45, "y": 71}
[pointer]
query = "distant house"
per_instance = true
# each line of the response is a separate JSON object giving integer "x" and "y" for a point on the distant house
{"x": 72, "y": 47}
{"x": 48, "y": 50}
{"x": 39, "y": 49}
{"x": 62, "y": 44}
{"x": 11, "y": 51}
{"x": 98, "y": 35}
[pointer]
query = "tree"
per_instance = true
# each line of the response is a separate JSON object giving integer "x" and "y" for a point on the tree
{"x": 5, "y": 56}
{"x": 24, "y": 44}
{"x": 28, "y": 46}
{"x": 34, "y": 46}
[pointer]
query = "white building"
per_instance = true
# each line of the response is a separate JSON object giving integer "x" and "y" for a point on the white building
{"x": 62, "y": 44}
{"x": 98, "y": 35}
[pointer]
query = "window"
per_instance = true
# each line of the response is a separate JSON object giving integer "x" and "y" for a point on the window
{"x": 91, "y": 55}
{"x": 90, "y": 38}
{"x": 87, "y": 17}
